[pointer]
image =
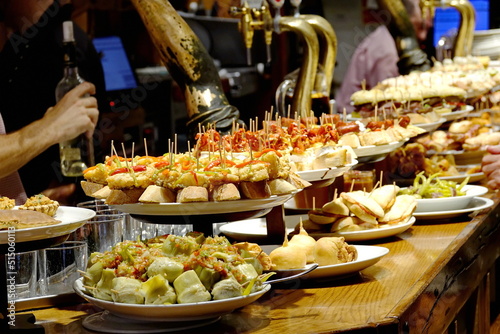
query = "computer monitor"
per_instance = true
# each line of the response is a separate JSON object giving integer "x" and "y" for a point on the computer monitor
{"x": 118, "y": 74}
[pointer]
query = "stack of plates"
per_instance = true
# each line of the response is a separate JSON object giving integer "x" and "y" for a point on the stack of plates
{"x": 486, "y": 43}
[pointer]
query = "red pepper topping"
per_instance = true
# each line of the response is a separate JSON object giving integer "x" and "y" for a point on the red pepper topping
{"x": 267, "y": 150}
{"x": 251, "y": 162}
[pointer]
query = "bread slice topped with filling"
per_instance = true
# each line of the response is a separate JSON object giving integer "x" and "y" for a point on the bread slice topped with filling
{"x": 20, "y": 219}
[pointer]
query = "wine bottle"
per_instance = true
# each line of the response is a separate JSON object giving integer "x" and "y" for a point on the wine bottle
{"x": 76, "y": 154}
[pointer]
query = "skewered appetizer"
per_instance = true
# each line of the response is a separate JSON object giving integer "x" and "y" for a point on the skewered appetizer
{"x": 183, "y": 178}
{"x": 173, "y": 269}
{"x": 360, "y": 210}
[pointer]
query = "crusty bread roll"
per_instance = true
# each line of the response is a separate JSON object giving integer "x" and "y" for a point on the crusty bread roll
{"x": 225, "y": 192}
{"x": 288, "y": 256}
{"x": 281, "y": 187}
{"x": 89, "y": 188}
{"x": 192, "y": 194}
{"x": 124, "y": 196}
{"x": 157, "y": 194}
{"x": 255, "y": 190}
{"x": 102, "y": 193}
{"x": 333, "y": 250}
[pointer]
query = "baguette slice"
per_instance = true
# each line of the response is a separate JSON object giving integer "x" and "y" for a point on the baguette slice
{"x": 192, "y": 194}
{"x": 157, "y": 194}
{"x": 225, "y": 192}
{"x": 102, "y": 193}
{"x": 255, "y": 190}
{"x": 125, "y": 196}
{"x": 89, "y": 188}
{"x": 281, "y": 187}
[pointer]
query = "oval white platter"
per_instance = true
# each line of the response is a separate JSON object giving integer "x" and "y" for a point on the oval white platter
{"x": 106, "y": 322}
{"x": 450, "y": 116}
{"x": 325, "y": 173}
{"x": 365, "y": 151}
{"x": 256, "y": 229}
{"x": 173, "y": 312}
{"x": 367, "y": 256}
{"x": 477, "y": 203}
{"x": 429, "y": 127}
{"x": 384, "y": 231}
{"x": 71, "y": 219}
{"x": 451, "y": 203}
{"x": 203, "y": 208}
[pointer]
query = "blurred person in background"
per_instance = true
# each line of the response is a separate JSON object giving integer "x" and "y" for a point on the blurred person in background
{"x": 31, "y": 65}
{"x": 491, "y": 166}
{"x": 75, "y": 114}
{"x": 376, "y": 57}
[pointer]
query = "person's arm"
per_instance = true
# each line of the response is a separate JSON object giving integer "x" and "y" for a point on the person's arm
{"x": 491, "y": 166}
{"x": 70, "y": 117}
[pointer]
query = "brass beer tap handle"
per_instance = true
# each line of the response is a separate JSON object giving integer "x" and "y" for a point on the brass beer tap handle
{"x": 301, "y": 101}
{"x": 268, "y": 24}
{"x": 463, "y": 41}
{"x": 327, "y": 46}
{"x": 245, "y": 25}
{"x": 190, "y": 65}
{"x": 411, "y": 57}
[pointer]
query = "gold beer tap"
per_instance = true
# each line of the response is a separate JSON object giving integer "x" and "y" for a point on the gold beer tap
{"x": 190, "y": 65}
{"x": 262, "y": 20}
{"x": 463, "y": 41}
{"x": 327, "y": 49}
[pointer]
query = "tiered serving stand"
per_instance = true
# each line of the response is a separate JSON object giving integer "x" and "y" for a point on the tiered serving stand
{"x": 34, "y": 239}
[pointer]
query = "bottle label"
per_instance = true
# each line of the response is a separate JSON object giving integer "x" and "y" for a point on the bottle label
{"x": 71, "y": 153}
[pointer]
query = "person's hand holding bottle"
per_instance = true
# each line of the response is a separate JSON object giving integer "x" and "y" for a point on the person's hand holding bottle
{"x": 74, "y": 114}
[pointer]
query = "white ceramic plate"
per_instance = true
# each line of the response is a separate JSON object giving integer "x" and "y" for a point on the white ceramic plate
{"x": 367, "y": 256}
{"x": 325, "y": 173}
{"x": 203, "y": 208}
{"x": 384, "y": 231}
{"x": 429, "y": 127}
{"x": 473, "y": 177}
{"x": 462, "y": 157}
{"x": 451, "y": 203}
{"x": 105, "y": 322}
{"x": 365, "y": 151}
{"x": 450, "y": 116}
{"x": 71, "y": 219}
{"x": 174, "y": 312}
{"x": 478, "y": 203}
{"x": 255, "y": 229}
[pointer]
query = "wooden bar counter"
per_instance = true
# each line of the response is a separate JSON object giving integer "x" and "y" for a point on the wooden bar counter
{"x": 439, "y": 276}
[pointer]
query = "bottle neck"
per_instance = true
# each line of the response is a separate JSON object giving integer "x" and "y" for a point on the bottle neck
{"x": 71, "y": 71}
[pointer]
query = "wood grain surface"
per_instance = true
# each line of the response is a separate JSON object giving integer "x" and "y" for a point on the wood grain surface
{"x": 419, "y": 287}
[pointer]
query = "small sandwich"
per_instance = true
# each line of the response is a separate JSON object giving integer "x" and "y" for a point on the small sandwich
{"x": 320, "y": 217}
{"x": 401, "y": 210}
{"x": 385, "y": 195}
{"x": 363, "y": 206}
{"x": 347, "y": 224}
{"x": 336, "y": 207}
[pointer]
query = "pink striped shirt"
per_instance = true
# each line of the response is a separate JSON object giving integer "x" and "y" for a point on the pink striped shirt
{"x": 11, "y": 185}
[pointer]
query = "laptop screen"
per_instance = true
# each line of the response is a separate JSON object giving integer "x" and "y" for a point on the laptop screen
{"x": 118, "y": 74}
